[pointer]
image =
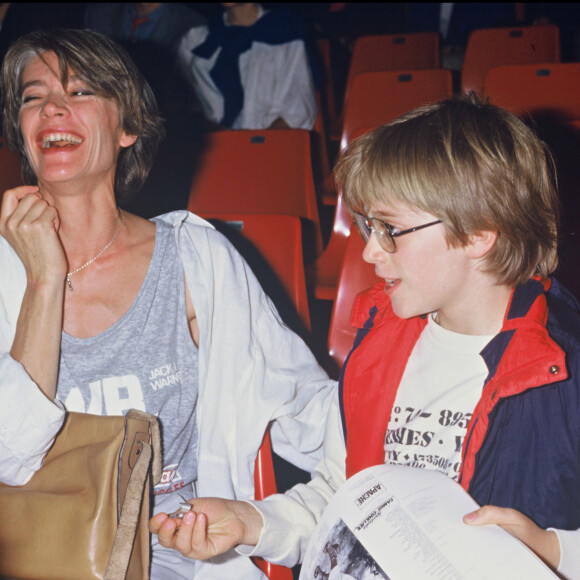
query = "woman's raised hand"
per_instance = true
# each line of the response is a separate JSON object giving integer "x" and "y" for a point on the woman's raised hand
{"x": 31, "y": 226}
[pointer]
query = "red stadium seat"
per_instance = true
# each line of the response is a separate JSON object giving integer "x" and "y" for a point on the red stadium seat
{"x": 265, "y": 485}
{"x": 393, "y": 52}
{"x": 532, "y": 89}
{"x": 377, "y": 98}
{"x": 259, "y": 172}
{"x": 546, "y": 95}
{"x": 278, "y": 241}
{"x": 272, "y": 246}
{"x": 491, "y": 47}
{"x": 356, "y": 275}
{"x": 323, "y": 273}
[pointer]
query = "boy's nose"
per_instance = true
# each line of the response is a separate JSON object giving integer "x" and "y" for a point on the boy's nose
{"x": 373, "y": 252}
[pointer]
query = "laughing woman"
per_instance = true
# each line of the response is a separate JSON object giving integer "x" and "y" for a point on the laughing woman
{"x": 96, "y": 304}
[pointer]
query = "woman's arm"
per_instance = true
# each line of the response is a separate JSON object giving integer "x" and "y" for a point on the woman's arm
{"x": 30, "y": 226}
{"x": 277, "y": 529}
{"x": 29, "y": 418}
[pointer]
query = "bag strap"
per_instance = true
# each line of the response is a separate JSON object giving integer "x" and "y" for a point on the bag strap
{"x": 155, "y": 440}
{"x": 125, "y": 534}
{"x": 140, "y": 454}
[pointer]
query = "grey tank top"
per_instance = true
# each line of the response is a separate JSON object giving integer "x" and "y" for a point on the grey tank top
{"x": 146, "y": 360}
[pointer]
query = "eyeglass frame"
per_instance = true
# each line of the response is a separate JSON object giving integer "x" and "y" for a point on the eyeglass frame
{"x": 365, "y": 229}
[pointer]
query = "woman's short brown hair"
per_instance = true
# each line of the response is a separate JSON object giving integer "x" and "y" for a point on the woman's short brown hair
{"x": 472, "y": 165}
{"x": 107, "y": 70}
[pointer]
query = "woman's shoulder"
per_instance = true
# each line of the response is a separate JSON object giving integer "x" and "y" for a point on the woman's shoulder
{"x": 183, "y": 219}
{"x": 195, "y": 229}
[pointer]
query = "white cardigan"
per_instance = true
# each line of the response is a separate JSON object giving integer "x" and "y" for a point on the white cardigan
{"x": 253, "y": 370}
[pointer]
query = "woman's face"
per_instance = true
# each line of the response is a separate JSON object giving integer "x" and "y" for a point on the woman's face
{"x": 69, "y": 132}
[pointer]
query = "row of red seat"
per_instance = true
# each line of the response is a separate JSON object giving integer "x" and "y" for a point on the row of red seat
{"x": 486, "y": 48}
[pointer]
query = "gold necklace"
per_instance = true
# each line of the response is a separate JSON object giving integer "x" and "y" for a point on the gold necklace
{"x": 69, "y": 283}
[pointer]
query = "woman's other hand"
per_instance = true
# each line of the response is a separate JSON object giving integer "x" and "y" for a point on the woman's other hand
{"x": 212, "y": 526}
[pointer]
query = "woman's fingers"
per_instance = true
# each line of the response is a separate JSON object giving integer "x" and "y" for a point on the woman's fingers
{"x": 12, "y": 198}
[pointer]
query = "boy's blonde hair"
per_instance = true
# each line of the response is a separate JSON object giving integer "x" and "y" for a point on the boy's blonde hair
{"x": 474, "y": 166}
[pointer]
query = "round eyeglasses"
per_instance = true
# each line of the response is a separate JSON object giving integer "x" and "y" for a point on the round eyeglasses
{"x": 384, "y": 232}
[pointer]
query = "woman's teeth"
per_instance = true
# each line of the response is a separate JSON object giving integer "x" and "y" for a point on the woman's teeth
{"x": 60, "y": 139}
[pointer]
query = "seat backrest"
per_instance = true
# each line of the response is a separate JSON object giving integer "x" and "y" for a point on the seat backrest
{"x": 547, "y": 95}
{"x": 546, "y": 89}
{"x": 323, "y": 273}
{"x": 376, "y": 98}
{"x": 258, "y": 172}
{"x": 491, "y": 47}
{"x": 412, "y": 51}
{"x": 417, "y": 50}
{"x": 356, "y": 275}
{"x": 10, "y": 175}
{"x": 272, "y": 246}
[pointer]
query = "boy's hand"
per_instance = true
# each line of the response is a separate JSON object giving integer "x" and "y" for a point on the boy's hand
{"x": 212, "y": 527}
{"x": 542, "y": 542}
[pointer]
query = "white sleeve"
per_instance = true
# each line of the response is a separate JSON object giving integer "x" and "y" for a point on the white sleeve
{"x": 569, "y": 567}
{"x": 255, "y": 359}
{"x": 295, "y": 95}
{"x": 29, "y": 422}
{"x": 196, "y": 72}
{"x": 190, "y": 40}
{"x": 290, "y": 518}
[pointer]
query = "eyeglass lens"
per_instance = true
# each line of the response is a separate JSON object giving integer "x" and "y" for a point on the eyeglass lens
{"x": 367, "y": 225}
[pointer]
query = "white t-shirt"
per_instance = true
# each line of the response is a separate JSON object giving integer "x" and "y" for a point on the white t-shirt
{"x": 436, "y": 398}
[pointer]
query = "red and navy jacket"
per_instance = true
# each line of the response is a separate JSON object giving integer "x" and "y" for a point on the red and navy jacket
{"x": 522, "y": 447}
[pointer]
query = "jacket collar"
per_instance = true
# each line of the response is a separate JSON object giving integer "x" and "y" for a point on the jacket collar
{"x": 524, "y": 343}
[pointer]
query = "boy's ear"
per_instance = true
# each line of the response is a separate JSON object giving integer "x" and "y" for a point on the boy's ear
{"x": 481, "y": 243}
